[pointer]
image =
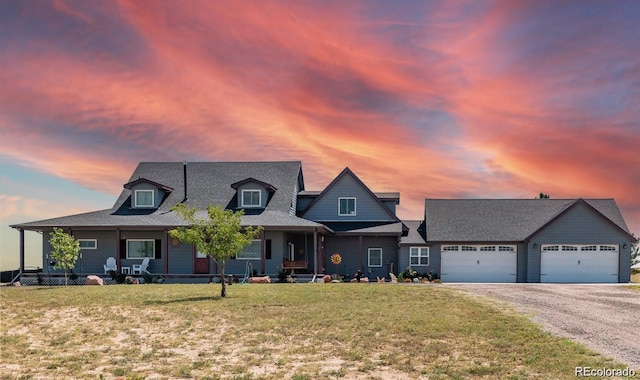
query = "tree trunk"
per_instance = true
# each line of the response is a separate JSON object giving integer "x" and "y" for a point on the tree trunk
{"x": 65, "y": 278}
{"x": 223, "y": 292}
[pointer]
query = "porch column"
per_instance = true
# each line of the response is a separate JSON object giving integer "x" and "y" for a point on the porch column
{"x": 263, "y": 250}
{"x": 361, "y": 256}
{"x": 21, "y": 249}
{"x": 315, "y": 251}
{"x": 165, "y": 251}
{"x": 118, "y": 253}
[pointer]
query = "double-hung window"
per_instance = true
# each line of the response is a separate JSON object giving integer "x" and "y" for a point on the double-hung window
{"x": 347, "y": 206}
{"x": 419, "y": 256}
{"x": 251, "y": 198}
{"x": 143, "y": 198}
{"x": 375, "y": 257}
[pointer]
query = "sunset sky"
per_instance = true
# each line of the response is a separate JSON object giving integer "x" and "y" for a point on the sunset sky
{"x": 439, "y": 99}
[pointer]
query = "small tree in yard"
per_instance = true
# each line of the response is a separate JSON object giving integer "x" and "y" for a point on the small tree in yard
{"x": 220, "y": 235}
{"x": 64, "y": 251}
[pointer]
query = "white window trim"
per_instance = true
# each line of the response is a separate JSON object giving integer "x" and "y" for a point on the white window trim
{"x": 369, "y": 257}
{"x": 419, "y": 256}
{"x": 95, "y": 243}
{"x": 251, "y": 191}
{"x": 153, "y": 198}
{"x": 140, "y": 257}
{"x": 252, "y": 258}
{"x": 354, "y": 206}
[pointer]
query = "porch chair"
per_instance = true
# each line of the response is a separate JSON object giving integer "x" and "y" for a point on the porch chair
{"x": 142, "y": 267}
{"x": 110, "y": 265}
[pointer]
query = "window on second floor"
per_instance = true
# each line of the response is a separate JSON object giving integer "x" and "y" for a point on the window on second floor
{"x": 251, "y": 198}
{"x": 143, "y": 198}
{"x": 347, "y": 206}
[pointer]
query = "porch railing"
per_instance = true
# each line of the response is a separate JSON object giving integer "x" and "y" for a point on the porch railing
{"x": 294, "y": 264}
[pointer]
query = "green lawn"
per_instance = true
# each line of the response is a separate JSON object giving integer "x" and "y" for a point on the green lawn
{"x": 297, "y": 331}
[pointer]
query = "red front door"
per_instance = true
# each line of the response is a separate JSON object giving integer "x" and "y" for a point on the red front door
{"x": 200, "y": 263}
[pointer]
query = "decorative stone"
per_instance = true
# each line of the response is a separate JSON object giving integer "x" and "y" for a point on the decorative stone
{"x": 94, "y": 280}
{"x": 260, "y": 280}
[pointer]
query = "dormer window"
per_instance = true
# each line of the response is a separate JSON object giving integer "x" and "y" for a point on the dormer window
{"x": 251, "y": 198}
{"x": 144, "y": 198}
{"x": 347, "y": 206}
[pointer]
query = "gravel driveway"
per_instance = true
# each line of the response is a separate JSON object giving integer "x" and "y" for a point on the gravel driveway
{"x": 605, "y": 318}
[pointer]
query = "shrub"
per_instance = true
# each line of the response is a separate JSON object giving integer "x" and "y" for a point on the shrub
{"x": 409, "y": 273}
{"x": 147, "y": 277}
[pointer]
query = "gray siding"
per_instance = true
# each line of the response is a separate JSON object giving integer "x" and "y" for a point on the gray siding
{"x": 90, "y": 260}
{"x": 403, "y": 260}
{"x": 580, "y": 225}
{"x": 181, "y": 259}
{"x": 391, "y": 205}
{"x": 155, "y": 265}
{"x": 353, "y": 259}
{"x": 368, "y": 208}
{"x": 272, "y": 266}
{"x": 93, "y": 260}
{"x": 157, "y": 193}
{"x": 521, "y": 273}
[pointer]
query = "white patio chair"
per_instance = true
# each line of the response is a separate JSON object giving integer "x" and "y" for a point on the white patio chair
{"x": 142, "y": 267}
{"x": 110, "y": 265}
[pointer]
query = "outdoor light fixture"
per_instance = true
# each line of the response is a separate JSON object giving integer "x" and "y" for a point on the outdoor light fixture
{"x": 624, "y": 246}
{"x": 535, "y": 245}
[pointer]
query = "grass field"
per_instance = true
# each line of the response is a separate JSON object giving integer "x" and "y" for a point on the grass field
{"x": 295, "y": 331}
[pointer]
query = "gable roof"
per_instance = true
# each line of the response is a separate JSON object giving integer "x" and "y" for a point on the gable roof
{"x": 207, "y": 183}
{"x": 267, "y": 186}
{"x": 415, "y": 235}
{"x": 131, "y": 184}
{"x": 348, "y": 172}
{"x": 508, "y": 220}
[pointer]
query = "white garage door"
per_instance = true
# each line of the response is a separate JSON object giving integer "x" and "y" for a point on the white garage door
{"x": 579, "y": 263}
{"x": 478, "y": 263}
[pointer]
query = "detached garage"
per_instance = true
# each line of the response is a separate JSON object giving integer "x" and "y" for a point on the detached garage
{"x": 579, "y": 263}
{"x": 528, "y": 240}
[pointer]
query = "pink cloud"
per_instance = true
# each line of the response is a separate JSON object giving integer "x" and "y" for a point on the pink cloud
{"x": 332, "y": 86}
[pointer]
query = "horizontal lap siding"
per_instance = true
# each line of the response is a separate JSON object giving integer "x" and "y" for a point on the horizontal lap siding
{"x": 348, "y": 248}
{"x": 180, "y": 258}
{"x": 155, "y": 265}
{"x": 353, "y": 259}
{"x": 93, "y": 260}
{"x": 404, "y": 261}
{"x": 272, "y": 266}
{"x": 580, "y": 225}
{"x": 521, "y": 274}
{"x": 367, "y": 207}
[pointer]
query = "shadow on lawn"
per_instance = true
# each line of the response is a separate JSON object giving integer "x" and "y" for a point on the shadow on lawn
{"x": 181, "y": 300}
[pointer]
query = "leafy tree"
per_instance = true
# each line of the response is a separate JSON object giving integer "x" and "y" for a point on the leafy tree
{"x": 544, "y": 196}
{"x": 219, "y": 236}
{"x": 64, "y": 251}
